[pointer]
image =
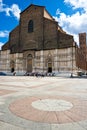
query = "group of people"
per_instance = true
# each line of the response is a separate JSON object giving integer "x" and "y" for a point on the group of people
{"x": 37, "y": 74}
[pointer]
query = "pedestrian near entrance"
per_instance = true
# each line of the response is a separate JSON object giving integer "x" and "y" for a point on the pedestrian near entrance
{"x": 14, "y": 73}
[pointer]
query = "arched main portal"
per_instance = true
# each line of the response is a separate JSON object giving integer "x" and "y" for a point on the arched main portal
{"x": 29, "y": 63}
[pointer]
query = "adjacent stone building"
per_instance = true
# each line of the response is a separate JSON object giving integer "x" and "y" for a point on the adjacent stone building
{"x": 38, "y": 44}
{"x": 81, "y": 59}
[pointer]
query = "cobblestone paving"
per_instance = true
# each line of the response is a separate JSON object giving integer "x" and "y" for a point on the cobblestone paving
{"x": 48, "y": 103}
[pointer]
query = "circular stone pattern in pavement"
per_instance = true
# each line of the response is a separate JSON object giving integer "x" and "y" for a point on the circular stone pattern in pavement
{"x": 52, "y": 105}
{"x": 49, "y": 109}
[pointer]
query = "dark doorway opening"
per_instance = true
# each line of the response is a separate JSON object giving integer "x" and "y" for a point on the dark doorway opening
{"x": 12, "y": 70}
{"x": 49, "y": 69}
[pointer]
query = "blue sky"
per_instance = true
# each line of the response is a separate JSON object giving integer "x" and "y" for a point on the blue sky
{"x": 70, "y": 14}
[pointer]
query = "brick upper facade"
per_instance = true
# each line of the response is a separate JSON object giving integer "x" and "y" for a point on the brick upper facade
{"x": 47, "y": 34}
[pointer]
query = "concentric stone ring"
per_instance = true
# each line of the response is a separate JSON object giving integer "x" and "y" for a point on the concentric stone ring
{"x": 48, "y": 109}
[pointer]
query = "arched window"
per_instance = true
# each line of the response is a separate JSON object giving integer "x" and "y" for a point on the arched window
{"x": 30, "y": 26}
{"x": 29, "y": 56}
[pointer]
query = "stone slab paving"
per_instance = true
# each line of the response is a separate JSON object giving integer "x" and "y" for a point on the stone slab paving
{"x": 48, "y": 103}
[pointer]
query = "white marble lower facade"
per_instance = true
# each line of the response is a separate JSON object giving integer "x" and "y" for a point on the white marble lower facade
{"x": 55, "y": 60}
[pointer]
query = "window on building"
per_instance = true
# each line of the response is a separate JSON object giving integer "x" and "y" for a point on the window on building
{"x": 30, "y": 26}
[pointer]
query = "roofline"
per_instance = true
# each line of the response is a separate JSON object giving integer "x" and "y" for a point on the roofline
{"x": 30, "y": 6}
{"x": 51, "y": 20}
{"x": 48, "y": 13}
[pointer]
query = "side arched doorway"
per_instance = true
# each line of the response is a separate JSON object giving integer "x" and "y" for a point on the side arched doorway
{"x": 12, "y": 65}
{"x": 29, "y": 63}
{"x": 49, "y": 64}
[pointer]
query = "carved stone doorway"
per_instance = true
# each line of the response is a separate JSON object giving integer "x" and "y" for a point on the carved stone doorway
{"x": 29, "y": 63}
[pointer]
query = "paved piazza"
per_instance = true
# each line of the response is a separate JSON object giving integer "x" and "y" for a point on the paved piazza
{"x": 47, "y": 103}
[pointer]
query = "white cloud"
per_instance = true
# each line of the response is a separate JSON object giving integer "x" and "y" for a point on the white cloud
{"x": 77, "y": 4}
{"x": 4, "y": 33}
{"x": 1, "y": 44}
{"x": 75, "y": 23}
{"x": 58, "y": 12}
{"x": 14, "y": 9}
{"x": 0, "y": 2}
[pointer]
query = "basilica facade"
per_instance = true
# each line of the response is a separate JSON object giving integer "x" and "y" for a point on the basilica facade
{"x": 38, "y": 44}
